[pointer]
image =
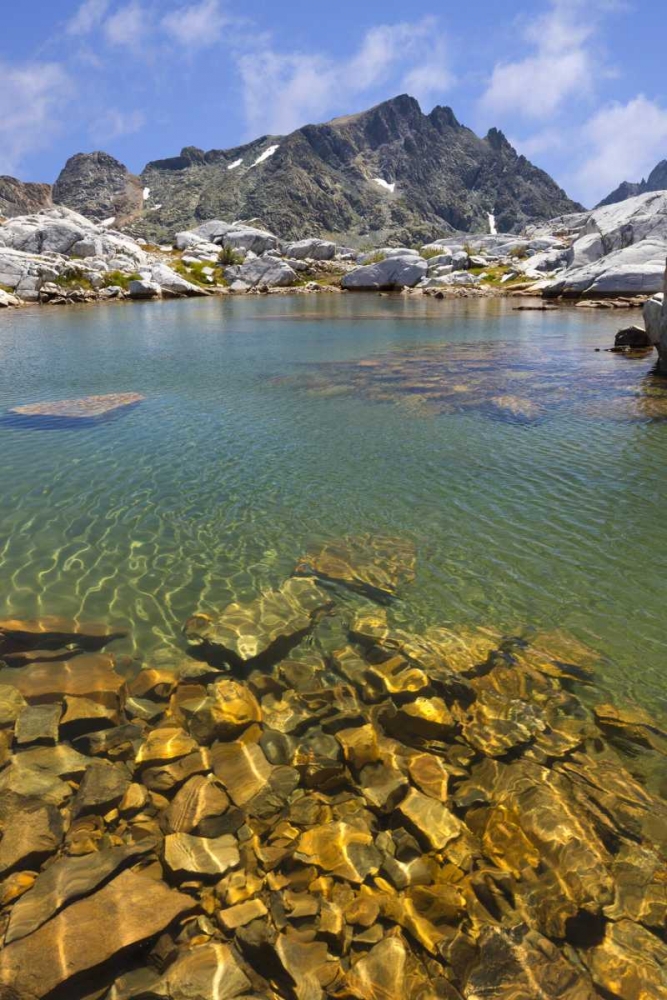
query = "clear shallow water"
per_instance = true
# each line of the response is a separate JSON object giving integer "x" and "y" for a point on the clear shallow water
{"x": 253, "y": 440}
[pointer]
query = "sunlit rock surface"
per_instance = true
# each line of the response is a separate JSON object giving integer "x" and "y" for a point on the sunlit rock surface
{"x": 370, "y": 812}
{"x": 78, "y": 939}
{"x": 374, "y": 565}
{"x": 246, "y": 632}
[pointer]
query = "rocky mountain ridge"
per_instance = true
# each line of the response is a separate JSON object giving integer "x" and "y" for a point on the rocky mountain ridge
{"x": 656, "y": 181}
{"x": 391, "y": 174}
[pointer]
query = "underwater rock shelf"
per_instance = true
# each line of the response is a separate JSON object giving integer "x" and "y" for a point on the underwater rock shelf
{"x": 88, "y": 408}
{"x": 317, "y": 803}
{"x": 492, "y": 379}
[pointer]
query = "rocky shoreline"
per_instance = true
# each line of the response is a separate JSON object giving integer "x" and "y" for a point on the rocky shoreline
{"x": 58, "y": 257}
{"x": 310, "y": 801}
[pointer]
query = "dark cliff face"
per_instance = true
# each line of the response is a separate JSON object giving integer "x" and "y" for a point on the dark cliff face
{"x": 17, "y": 198}
{"x": 656, "y": 181}
{"x": 99, "y": 187}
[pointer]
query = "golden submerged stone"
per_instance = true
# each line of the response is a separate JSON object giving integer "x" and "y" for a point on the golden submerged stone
{"x": 373, "y": 564}
{"x": 246, "y": 632}
{"x": 341, "y": 850}
{"x": 384, "y": 815}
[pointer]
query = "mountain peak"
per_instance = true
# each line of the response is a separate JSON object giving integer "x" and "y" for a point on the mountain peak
{"x": 444, "y": 117}
{"x": 656, "y": 181}
{"x": 498, "y": 140}
{"x": 102, "y": 184}
{"x": 390, "y": 173}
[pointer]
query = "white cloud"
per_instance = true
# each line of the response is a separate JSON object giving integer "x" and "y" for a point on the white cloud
{"x": 548, "y": 140}
{"x": 285, "y": 90}
{"x": 623, "y": 142}
{"x": 114, "y": 123}
{"x": 196, "y": 26}
{"x": 561, "y": 67}
{"x": 431, "y": 77}
{"x": 128, "y": 27}
{"x": 32, "y": 96}
{"x": 88, "y": 16}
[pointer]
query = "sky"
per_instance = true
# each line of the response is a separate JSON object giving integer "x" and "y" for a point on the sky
{"x": 578, "y": 86}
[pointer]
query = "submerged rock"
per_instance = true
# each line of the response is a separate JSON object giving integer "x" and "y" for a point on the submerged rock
{"x": 65, "y": 881}
{"x": 380, "y": 975}
{"x": 197, "y": 805}
{"x": 519, "y": 964}
{"x": 43, "y": 633}
{"x": 91, "y": 675}
{"x": 431, "y": 820}
{"x": 211, "y": 971}
{"x": 376, "y": 565}
{"x": 228, "y": 709}
{"x": 263, "y": 628}
{"x": 84, "y": 409}
{"x": 38, "y": 724}
{"x": 128, "y": 911}
{"x": 185, "y": 854}
{"x": 32, "y": 831}
{"x": 102, "y": 787}
{"x": 341, "y": 850}
{"x": 629, "y": 963}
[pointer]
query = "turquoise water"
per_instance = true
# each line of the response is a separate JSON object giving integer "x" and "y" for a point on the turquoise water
{"x": 260, "y": 432}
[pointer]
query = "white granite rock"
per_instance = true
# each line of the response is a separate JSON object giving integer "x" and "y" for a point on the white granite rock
{"x": 144, "y": 289}
{"x": 249, "y": 238}
{"x": 634, "y": 270}
{"x": 61, "y": 231}
{"x": 585, "y": 250}
{"x": 394, "y": 272}
{"x": 386, "y": 252}
{"x": 172, "y": 283}
{"x": 311, "y": 249}
{"x": 459, "y": 279}
{"x": 442, "y": 260}
{"x": 655, "y": 321}
{"x": 269, "y": 271}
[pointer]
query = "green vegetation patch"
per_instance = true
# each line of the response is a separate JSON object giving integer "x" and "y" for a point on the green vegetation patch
{"x": 429, "y": 254}
{"x": 229, "y": 257}
{"x": 375, "y": 258}
{"x": 73, "y": 282}
{"x": 119, "y": 278}
{"x": 195, "y": 273}
{"x": 494, "y": 274}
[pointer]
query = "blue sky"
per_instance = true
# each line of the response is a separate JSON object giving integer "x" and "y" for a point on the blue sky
{"x": 579, "y": 86}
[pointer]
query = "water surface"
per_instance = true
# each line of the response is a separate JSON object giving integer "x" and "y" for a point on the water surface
{"x": 260, "y": 431}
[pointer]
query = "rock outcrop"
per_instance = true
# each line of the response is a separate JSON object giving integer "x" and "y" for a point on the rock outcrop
{"x": 99, "y": 187}
{"x": 19, "y": 198}
{"x": 394, "y": 272}
{"x": 58, "y": 253}
{"x": 655, "y": 321}
{"x": 615, "y": 250}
